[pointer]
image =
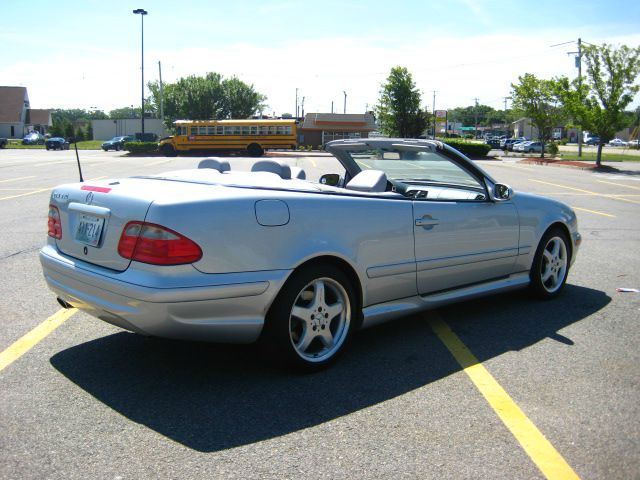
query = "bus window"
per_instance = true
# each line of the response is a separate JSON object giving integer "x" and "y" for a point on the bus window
{"x": 287, "y": 130}
{"x": 280, "y": 130}
{"x": 219, "y": 130}
{"x": 228, "y": 130}
{"x": 245, "y": 130}
{"x": 211, "y": 130}
{"x": 236, "y": 130}
{"x": 254, "y": 130}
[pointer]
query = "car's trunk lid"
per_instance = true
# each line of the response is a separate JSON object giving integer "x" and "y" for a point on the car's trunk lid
{"x": 94, "y": 214}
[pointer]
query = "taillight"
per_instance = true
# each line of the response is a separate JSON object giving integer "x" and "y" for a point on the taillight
{"x": 53, "y": 224}
{"x": 150, "y": 243}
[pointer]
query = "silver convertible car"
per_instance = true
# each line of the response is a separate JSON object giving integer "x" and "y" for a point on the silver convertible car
{"x": 396, "y": 227}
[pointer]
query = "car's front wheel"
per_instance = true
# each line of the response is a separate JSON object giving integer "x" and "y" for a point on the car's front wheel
{"x": 312, "y": 318}
{"x": 551, "y": 264}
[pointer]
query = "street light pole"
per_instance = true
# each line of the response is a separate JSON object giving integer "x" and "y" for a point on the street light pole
{"x": 142, "y": 12}
{"x": 345, "y": 101}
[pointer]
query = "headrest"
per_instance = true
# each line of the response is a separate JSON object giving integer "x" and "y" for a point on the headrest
{"x": 216, "y": 164}
{"x": 369, "y": 181}
{"x": 279, "y": 168}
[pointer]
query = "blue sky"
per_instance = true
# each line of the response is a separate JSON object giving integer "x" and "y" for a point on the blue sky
{"x": 85, "y": 54}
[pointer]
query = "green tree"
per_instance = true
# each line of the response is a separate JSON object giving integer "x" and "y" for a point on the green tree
{"x": 241, "y": 100}
{"x": 537, "y": 99}
{"x": 80, "y": 134}
{"x": 89, "y": 132}
{"x": 205, "y": 98}
{"x": 398, "y": 109}
{"x": 68, "y": 129}
{"x": 124, "y": 112}
{"x": 597, "y": 101}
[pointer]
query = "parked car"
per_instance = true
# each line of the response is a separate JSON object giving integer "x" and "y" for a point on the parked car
{"x": 531, "y": 147}
{"x": 33, "y": 138}
{"x": 592, "y": 141}
{"x": 616, "y": 142}
{"x": 233, "y": 256}
{"x": 633, "y": 143}
{"x": 511, "y": 146}
{"x": 521, "y": 146}
{"x": 494, "y": 142}
{"x": 3, "y": 142}
{"x": 116, "y": 143}
{"x": 508, "y": 143}
{"x": 56, "y": 143}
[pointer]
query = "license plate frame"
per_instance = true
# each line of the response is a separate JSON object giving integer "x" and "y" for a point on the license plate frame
{"x": 89, "y": 229}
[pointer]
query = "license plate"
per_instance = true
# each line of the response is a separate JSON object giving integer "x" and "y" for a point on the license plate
{"x": 89, "y": 230}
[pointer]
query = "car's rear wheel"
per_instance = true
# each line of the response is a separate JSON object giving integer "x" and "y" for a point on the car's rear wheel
{"x": 312, "y": 318}
{"x": 551, "y": 264}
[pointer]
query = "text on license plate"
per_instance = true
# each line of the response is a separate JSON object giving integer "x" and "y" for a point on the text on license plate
{"x": 89, "y": 229}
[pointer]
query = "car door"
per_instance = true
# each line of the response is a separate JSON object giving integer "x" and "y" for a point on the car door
{"x": 462, "y": 237}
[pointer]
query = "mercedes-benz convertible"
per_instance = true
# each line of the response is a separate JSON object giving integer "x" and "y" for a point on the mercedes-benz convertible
{"x": 223, "y": 255}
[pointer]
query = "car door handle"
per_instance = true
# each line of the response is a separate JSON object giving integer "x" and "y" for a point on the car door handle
{"x": 427, "y": 221}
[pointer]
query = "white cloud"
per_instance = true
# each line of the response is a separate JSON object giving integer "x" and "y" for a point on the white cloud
{"x": 458, "y": 68}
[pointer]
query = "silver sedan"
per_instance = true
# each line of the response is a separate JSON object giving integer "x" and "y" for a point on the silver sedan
{"x": 230, "y": 256}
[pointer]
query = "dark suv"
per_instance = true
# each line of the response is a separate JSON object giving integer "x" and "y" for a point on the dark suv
{"x": 592, "y": 141}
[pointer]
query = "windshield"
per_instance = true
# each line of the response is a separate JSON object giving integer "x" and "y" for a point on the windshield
{"x": 413, "y": 165}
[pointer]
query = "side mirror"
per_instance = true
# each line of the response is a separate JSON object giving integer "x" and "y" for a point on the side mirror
{"x": 331, "y": 179}
{"x": 502, "y": 192}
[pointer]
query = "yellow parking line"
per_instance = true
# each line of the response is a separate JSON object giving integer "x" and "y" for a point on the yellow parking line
{"x": 596, "y": 194}
{"x": 594, "y": 212}
{"x": 17, "y": 179}
{"x": 28, "y": 341}
{"x": 46, "y": 189}
{"x": 53, "y": 163}
{"x": 25, "y": 194}
{"x": 156, "y": 163}
{"x": 534, "y": 443}
{"x": 620, "y": 184}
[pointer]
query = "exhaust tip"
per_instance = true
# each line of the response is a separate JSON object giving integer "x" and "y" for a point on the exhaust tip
{"x": 64, "y": 304}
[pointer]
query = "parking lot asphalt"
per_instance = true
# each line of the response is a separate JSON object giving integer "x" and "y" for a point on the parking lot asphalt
{"x": 90, "y": 400}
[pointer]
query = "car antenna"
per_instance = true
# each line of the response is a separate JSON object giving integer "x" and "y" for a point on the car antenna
{"x": 75, "y": 143}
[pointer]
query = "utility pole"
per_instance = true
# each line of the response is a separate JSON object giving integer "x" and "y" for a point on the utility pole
{"x": 434, "y": 114}
{"x": 505, "y": 114}
{"x": 296, "y": 102}
{"x": 161, "y": 95}
{"x": 475, "y": 115}
{"x": 345, "y": 101}
{"x": 303, "y": 106}
{"x": 579, "y": 65}
{"x": 331, "y": 106}
{"x": 580, "y": 90}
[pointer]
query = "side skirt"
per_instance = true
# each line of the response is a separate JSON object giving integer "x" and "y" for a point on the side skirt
{"x": 383, "y": 312}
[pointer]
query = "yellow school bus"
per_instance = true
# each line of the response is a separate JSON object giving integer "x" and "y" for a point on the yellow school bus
{"x": 252, "y": 136}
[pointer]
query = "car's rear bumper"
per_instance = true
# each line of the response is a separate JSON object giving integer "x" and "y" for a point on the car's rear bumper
{"x": 221, "y": 307}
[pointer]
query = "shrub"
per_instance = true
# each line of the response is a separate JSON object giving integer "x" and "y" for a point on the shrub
{"x": 141, "y": 147}
{"x": 552, "y": 148}
{"x": 468, "y": 148}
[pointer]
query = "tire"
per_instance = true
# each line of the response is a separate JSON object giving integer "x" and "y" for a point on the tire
{"x": 168, "y": 151}
{"x": 117, "y": 148}
{"x": 311, "y": 319}
{"x": 105, "y": 149}
{"x": 551, "y": 264}
{"x": 255, "y": 150}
